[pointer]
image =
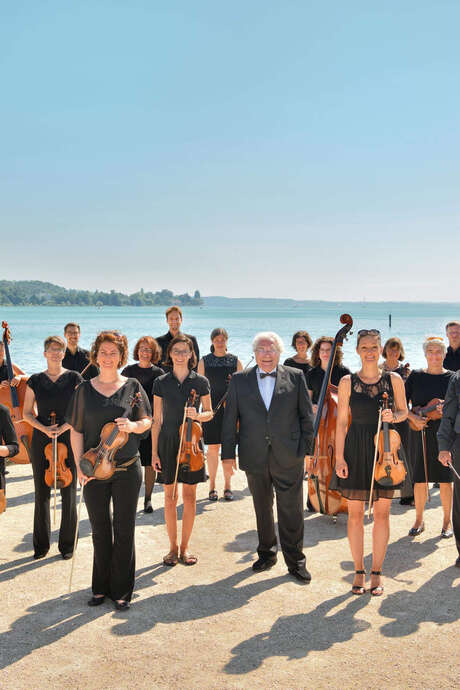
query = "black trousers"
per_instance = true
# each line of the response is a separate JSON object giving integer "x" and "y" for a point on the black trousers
{"x": 2, "y": 474}
{"x": 456, "y": 500}
{"x": 42, "y": 523}
{"x": 288, "y": 488}
{"x": 113, "y": 536}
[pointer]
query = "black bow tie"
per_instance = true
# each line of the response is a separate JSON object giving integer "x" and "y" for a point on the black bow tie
{"x": 262, "y": 374}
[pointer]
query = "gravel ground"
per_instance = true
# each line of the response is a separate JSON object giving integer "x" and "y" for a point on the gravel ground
{"x": 218, "y": 624}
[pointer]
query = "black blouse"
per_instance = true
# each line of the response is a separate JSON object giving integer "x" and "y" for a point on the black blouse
{"x": 303, "y": 366}
{"x": 316, "y": 375}
{"x": 8, "y": 436}
{"x": 422, "y": 387}
{"x": 89, "y": 410}
{"x": 175, "y": 394}
{"x": 53, "y": 396}
{"x": 78, "y": 362}
{"x": 145, "y": 375}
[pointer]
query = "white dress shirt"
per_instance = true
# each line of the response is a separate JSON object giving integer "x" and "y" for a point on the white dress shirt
{"x": 266, "y": 386}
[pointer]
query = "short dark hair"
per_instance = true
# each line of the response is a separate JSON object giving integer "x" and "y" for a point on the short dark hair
{"x": 181, "y": 338}
{"x": 152, "y": 344}
{"x": 390, "y": 344}
{"x": 54, "y": 339}
{"x": 72, "y": 324}
{"x": 173, "y": 308}
{"x": 452, "y": 323}
{"x": 118, "y": 339}
{"x": 302, "y": 334}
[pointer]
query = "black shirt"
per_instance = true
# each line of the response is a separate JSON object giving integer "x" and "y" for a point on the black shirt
{"x": 175, "y": 394}
{"x": 452, "y": 359}
{"x": 78, "y": 362}
{"x": 53, "y": 396}
{"x": 89, "y": 410}
{"x": 422, "y": 387}
{"x": 7, "y": 433}
{"x": 164, "y": 340}
{"x": 316, "y": 375}
{"x": 145, "y": 375}
{"x": 303, "y": 366}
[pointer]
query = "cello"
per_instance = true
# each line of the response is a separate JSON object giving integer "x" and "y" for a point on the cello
{"x": 13, "y": 399}
{"x": 322, "y": 467}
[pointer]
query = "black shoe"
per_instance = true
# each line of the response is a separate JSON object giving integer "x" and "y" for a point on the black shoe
{"x": 300, "y": 573}
{"x": 263, "y": 564}
{"x": 148, "y": 506}
{"x": 67, "y": 556}
{"x": 446, "y": 533}
{"x": 42, "y": 554}
{"x": 415, "y": 531}
{"x": 457, "y": 562}
{"x": 122, "y": 605}
{"x": 96, "y": 601}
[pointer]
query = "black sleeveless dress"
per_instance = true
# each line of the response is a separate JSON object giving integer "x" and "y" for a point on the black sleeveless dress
{"x": 359, "y": 448}
{"x": 218, "y": 371}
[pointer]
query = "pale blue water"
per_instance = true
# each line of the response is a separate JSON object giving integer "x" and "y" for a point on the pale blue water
{"x": 410, "y": 321}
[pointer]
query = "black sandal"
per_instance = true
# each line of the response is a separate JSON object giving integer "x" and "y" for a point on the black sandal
{"x": 228, "y": 495}
{"x": 358, "y": 589}
{"x": 376, "y": 591}
{"x": 213, "y": 496}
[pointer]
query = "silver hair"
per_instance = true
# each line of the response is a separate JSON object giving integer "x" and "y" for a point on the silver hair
{"x": 438, "y": 342}
{"x": 268, "y": 335}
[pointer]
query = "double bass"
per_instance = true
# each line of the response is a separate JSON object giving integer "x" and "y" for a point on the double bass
{"x": 13, "y": 398}
{"x": 322, "y": 467}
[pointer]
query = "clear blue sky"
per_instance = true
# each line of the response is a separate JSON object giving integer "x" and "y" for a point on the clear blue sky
{"x": 258, "y": 148}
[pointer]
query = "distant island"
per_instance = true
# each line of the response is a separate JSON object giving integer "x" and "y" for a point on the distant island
{"x": 19, "y": 293}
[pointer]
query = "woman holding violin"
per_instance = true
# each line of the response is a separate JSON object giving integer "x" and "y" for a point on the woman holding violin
{"x": 147, "y": 354}
{"x": 362, "y": 393}
{"x": 320, "y": 355}
{"x": 301, "y": 343}
{"x": 218, "y": 367}
{"x": 171, "y": 407}
{"x": 49, "y": 392}
{"x": 425, "y": 392}
{"x": 119, "y": 405}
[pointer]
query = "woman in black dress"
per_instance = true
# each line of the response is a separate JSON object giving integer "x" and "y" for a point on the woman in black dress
{"x": 51, "y": 391}
{"x": 301, "y": 342}
{"x": 9, "y": 447}
{"x": 218, "y": 367}
{"x": 361, "y": 393}
{"x": 421, "y": 387}
{"x": 320, "y": 355}
{"x": 147, "y": 353}
{"x": 170, "y": 394}
{"x": 110, "y": 397}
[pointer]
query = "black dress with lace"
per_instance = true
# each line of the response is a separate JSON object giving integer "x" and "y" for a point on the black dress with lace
{"x": 365, "y": 400}
{"x": 218, "y": 371}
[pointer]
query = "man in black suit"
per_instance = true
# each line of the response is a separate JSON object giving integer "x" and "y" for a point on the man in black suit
{"x": 275, "y": 416}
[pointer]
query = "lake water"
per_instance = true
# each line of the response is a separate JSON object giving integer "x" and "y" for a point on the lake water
{"x": 410, "y": 321}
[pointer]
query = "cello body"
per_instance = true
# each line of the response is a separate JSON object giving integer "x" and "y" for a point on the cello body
{"x": 323, "y": 499}
{"x": 23, "y": 430}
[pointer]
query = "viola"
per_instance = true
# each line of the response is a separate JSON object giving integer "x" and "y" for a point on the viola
{"x": 99, "y": 462}
{"x": 13, "y": 399}
{"x": 389, "y": 470}
{"x": 321, "y": 497}
{"x": 57, "y": 474}
{"x": 429, "y": 411}
{"x": 191, "y": 455}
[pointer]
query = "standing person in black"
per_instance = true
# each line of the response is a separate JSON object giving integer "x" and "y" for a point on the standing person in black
{"x": 320, "y": 355}
{"x": 301, "y": 342}
{"x": 421, "y": 387}
{"x": 449, "y": 447}
{"x": 218, "y": 367}
{"x": 147, "y": 353}
{"x": 174, "y": 320}
{"x": 110, "y": 397}
{"x": 361, "y": 393}
{"x": 452, "y": 358}
{"x": 170, "y": 396}
{"x": 272, "y": 407}
{"x": 9, "y": 447}
{"x": 76, "y": 358}
{"x": 51, "y": 391}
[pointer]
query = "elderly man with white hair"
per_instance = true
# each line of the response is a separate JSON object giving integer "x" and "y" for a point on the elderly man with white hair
{"x": 269, "y": 415}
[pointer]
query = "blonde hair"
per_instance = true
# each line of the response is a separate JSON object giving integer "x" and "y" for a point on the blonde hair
{"x": 434, "y": 340}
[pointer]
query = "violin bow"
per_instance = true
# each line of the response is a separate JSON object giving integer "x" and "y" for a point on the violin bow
{"x": 75, "y": 541}
{"x": 180, "y": 449}
{"x": 54, "y": 449}
{"x": 224, "y": 397}
{"x": 425, "y": 465}
{"x": 379, "y": 424}
{"x": 449, "y": 464}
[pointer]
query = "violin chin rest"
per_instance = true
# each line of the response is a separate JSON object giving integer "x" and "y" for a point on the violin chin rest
{"x": 86, "y": 467}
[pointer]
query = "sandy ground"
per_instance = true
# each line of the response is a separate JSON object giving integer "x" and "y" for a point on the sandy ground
{"x": 218, "y": 624}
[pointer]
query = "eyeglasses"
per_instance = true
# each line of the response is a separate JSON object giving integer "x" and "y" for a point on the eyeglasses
{"x": 180, "y": 353}
{"x": 145, "y": 349}
{"x": 368, "y": 331}
{"x": 266, "y": 350}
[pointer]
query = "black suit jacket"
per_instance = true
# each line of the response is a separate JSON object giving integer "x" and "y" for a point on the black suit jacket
{"x": 286, "y": 427}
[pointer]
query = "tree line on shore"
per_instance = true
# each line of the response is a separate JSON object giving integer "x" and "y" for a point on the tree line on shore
{"x": 39, "y": 293}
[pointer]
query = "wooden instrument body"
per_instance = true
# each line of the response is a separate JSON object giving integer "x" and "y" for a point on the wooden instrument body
{"x": 56, "y": 453}
{"x": 192, "y": 454}
{"x": 100, "y": 461}
{"x": 389, "y": 469}
{"x": 428, "y": 411}
{"x": 2, "y": 501}
{"x": 13, "y": 399}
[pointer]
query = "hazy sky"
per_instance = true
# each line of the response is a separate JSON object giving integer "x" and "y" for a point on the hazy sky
{"x": 258, "y": 148}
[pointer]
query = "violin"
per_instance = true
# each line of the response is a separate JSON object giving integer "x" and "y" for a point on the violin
{"x": 428, "y": 411}
{"x": 389, "y": 470}
{"x": 191, "y": 454}
{"x": 99, "y": 462}
{"x": 321, "y": 498}
{"x": 57, "y": 473}
{"x": 13, "y": 399}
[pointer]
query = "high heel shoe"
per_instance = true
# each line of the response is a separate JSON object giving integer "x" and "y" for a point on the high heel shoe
{"x": 377, "y": 590}
{"x": 415, "y": 531}
{"x": 358, "y": 589}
